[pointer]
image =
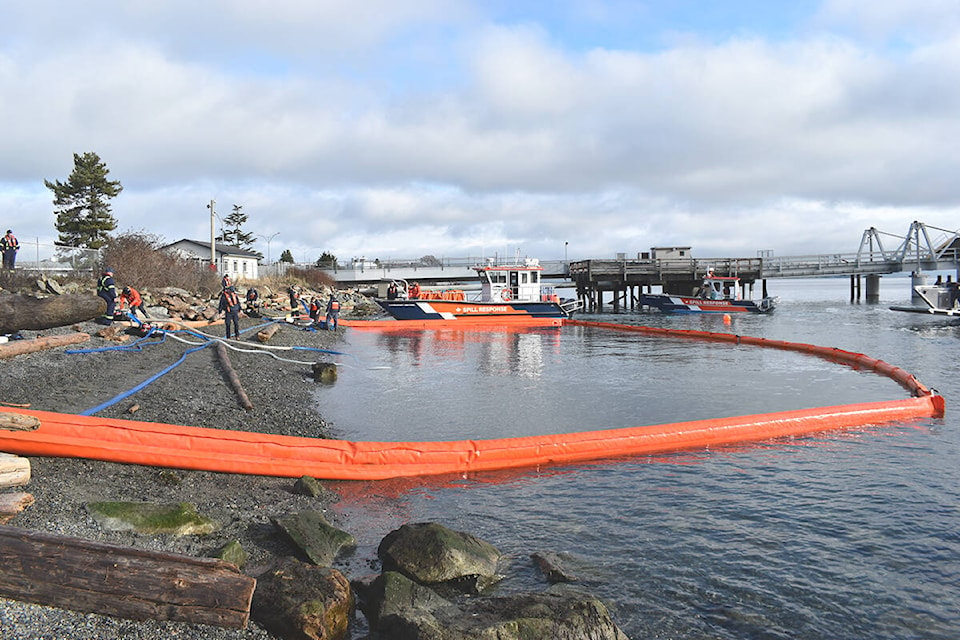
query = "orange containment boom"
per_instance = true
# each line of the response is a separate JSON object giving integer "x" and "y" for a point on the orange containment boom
{"x": 163, "y": 445}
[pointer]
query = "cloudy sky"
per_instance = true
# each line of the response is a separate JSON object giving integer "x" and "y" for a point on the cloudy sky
{"x": 392, "y": 128}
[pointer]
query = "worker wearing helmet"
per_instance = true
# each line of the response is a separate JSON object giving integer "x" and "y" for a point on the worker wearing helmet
{"x": 107, "y": 289}
{"x": 132, "y": 297}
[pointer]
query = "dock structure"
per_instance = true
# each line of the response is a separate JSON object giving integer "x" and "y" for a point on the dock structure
{"x": 673, "y": 269}
{"x": 619, "y": 282}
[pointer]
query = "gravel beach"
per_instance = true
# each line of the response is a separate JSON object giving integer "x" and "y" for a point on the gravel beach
{"x": 195, "y": 392}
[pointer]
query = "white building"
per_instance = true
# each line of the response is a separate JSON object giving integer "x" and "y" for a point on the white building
{"x": 239, "y": 264}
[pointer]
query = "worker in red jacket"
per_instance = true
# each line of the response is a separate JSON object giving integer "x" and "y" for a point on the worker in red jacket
{"x": 132, "y": 297}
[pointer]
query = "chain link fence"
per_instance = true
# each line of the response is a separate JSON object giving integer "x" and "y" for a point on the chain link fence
{"x": 53, "y": 258}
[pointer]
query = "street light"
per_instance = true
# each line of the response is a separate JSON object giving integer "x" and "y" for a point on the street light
{"x": 269, "y": 239}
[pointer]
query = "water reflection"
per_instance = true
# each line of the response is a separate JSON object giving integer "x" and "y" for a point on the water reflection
{"x": 513, "y": 351}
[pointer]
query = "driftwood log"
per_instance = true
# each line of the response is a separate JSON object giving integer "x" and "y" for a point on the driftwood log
{"x": 18, "y": 312}
{"x": 97, "y": 577}
{"x": 233, "y": 377}
{"x": 14, "y": 470}
{"x": 265, "y": 334}
{"x": 18, "y": 422}
{"x": 13, "y": 503}
{"x": 19, "y": 347}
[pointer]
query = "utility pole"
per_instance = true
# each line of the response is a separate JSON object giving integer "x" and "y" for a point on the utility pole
{"x": 213, "y": 245}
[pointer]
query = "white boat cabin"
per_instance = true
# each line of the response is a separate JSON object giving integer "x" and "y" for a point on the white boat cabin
{"x": 513, "y": 282}
{"x": 720, "y": 288}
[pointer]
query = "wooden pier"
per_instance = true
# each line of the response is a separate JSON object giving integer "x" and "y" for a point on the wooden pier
{"x": 626, "y": 279}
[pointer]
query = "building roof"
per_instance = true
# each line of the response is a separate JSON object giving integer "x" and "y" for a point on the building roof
{"x": 225, "y": 249}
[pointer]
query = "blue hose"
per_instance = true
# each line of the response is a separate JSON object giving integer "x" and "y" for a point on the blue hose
{"x": 127, "y": 394}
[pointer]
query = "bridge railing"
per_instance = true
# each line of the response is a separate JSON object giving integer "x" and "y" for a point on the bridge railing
{"x": 661, "y": 267}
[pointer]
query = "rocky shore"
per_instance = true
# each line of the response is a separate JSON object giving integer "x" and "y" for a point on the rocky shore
{"x": 195, "y": 392}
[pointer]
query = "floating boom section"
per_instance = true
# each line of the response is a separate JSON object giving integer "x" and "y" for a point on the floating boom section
{"x": 163, "y": 445}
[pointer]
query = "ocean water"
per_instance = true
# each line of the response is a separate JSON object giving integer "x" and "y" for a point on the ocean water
{"x": 848, "y": 534}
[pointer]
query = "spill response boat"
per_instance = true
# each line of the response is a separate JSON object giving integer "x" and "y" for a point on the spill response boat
{"x": 509, "y": 294}
{"x": 718, "y": 294}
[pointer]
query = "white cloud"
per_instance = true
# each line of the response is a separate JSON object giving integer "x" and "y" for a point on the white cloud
{"x": 732, "y": 147}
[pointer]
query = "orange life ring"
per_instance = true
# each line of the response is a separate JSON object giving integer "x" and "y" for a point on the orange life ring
{"x": 505, "y": 295}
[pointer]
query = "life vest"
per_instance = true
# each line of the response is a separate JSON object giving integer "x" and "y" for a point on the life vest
{"x": 334, "y": 305}
{"x": 106, "y": 287}
{"x": 232, "y": 299}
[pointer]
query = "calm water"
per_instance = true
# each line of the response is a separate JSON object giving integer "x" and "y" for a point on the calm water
{"x": 851, "y": 534}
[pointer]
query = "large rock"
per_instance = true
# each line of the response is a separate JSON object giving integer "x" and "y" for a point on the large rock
{"x": 432, "y": 554}
{"x": 553, "y": 567}
{"x": 401, "y": 609}
{"x": 180, "y": 518}
{"x": 295, "y": 600}
{"x": 318, "y": 539}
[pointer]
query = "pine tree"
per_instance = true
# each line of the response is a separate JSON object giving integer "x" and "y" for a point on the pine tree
{"x": 233, "y": 235}
{"x": 286, "y": 256}
{"x": 82, "y": 203}
{"x": 327, "y": 260}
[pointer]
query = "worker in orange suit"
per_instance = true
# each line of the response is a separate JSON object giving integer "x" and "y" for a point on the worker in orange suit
{"x": 132, "y": 297}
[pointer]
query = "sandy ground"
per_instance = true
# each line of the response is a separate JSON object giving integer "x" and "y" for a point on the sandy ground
{"x": 195, "y": 392}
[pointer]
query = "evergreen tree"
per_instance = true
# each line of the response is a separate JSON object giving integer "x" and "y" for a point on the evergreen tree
{"x": 286, "y": 256}
{"x": 233, "y": 235}
{"x": 327, "y": 260}
{"x": 82, "y": 203}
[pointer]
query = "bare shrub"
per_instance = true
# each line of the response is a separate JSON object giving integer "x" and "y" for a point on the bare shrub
{"x": 313, "y": 278}
{"x": 138, "y": 261}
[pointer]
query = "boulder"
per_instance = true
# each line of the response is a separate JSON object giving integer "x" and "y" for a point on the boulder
{"x": 151, "y": 518}
{"x": 432, "y": 554}
{"x": 303, "y": 601}
{"x": 400, "y": 609}
{"x": 325, "y": 372}
{"x": 552, "y": 565}
{"x": 308, "y": 486}
{"x": 234, "y": 553}
{"x": 393, "y": 602}
{"x": 318, "y": 540}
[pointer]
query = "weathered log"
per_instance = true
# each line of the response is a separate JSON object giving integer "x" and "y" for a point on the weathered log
{"x": 13, "y": 503}
{"x": 20, "y": 347}
{"x": 14, "y": 470}
{"x": 97, "y": 577}
{"x": 18, "y": 422}
{"x": 265, "y": 334}
{"x": 18, "y": 312}
{"x": 233, "y": 377}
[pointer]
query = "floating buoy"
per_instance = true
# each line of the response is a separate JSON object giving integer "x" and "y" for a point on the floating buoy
{"x": 726, "y": 318}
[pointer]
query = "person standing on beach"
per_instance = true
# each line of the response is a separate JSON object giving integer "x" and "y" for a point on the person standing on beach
{"x": 9, "y": 247}
{"x": 107, "y": 289}
{"x": 230, "y": 308}
{"x": 333, "y": 312}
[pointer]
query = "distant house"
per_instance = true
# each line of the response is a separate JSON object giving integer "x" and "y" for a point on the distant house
{"x": 239, "y": 264}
